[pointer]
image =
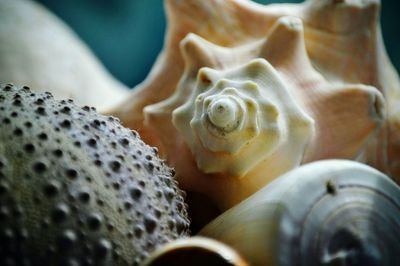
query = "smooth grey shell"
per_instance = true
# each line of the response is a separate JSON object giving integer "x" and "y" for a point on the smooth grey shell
{"x": 332, "y": 212}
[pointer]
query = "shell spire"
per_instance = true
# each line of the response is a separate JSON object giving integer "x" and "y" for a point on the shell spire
{"x": 338, "y": 36}
{"x": 237, "y": 119}
{"x": 184, "y": 17}
{"x": 241, "y": 116}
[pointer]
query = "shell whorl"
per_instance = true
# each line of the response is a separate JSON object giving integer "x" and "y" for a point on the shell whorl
{"x": 276, "y": 111}
{"x": 325, "y": 213}
{"x": 223, "y": 112}
{"x": 238, "y": 117}
{"x": 337, "y": 37}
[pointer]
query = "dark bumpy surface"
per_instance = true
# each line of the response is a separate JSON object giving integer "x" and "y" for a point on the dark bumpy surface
{"x": 77, "y": 188}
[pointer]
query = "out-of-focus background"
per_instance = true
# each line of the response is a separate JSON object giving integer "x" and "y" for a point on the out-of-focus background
{"x": 127, "y": 35}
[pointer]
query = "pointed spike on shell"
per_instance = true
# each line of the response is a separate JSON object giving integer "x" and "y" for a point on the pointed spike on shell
{"x": 207, "y": 76}
{"x": 285, "y": 42}
{"x": 360, "y": 106}
{"x": 257, "y": 69}
{"x": 291, "y": 23}
{"x": 257, "y": 66}
{"x": 287, "y": 25}
{"x": 375, "y": 103}
{"x": 194, "y": 53}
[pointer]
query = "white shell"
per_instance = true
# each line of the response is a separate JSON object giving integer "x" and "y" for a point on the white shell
{"x": 40, "y": 51}
{"x": 259, "y": 119}
{"x": 330, "y": 212}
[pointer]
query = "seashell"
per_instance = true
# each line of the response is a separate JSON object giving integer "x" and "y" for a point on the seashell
{"x": 37, "y": 49}
{"x": 195, "y": 251}
{"x": 238, "y": 122}
{"x": 236, "y": 118}
{"x": 345, "y": 44}
{"x": 342, "y": 39}
{"x": 332, "y": 212}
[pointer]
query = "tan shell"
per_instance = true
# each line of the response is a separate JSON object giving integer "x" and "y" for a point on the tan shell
{"x": 342, "y": 39}
{"x": 38, "y": 50}
{"x": 275, "y": 117}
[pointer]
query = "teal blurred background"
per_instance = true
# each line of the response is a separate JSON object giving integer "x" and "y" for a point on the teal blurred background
{"x": 127, "y": 35}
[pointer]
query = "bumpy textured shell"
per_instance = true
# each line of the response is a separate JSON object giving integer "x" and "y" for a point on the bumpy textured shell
{"x": 332, "y": 212}
{"x": 77, "y": 188}
{"x": 342, "y": 39}
{"x": 39, "y": 50}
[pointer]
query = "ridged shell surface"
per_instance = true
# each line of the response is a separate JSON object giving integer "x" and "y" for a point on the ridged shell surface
{"x": 342, "y": 40}
{"x": 242, "y": 116}
{"x": 331, "y": 212}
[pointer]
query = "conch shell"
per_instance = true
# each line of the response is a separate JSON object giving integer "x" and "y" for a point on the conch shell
{"x": 237, "y": 118}
{"x": 342, "y": 40}
{"x": 332, "y": 212}
{"x": 38, "y": 50}
{"x": 237, "y": 122}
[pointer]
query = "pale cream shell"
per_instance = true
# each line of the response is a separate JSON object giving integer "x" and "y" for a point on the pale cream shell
{"x": 40, "y": 51}
{"x": 208, "y": 164}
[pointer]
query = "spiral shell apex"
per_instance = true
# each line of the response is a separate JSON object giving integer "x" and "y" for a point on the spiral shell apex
{"x": 319, "y": 46}
{"x": 241, "y": 116}
{"x": 236, "y": 118}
